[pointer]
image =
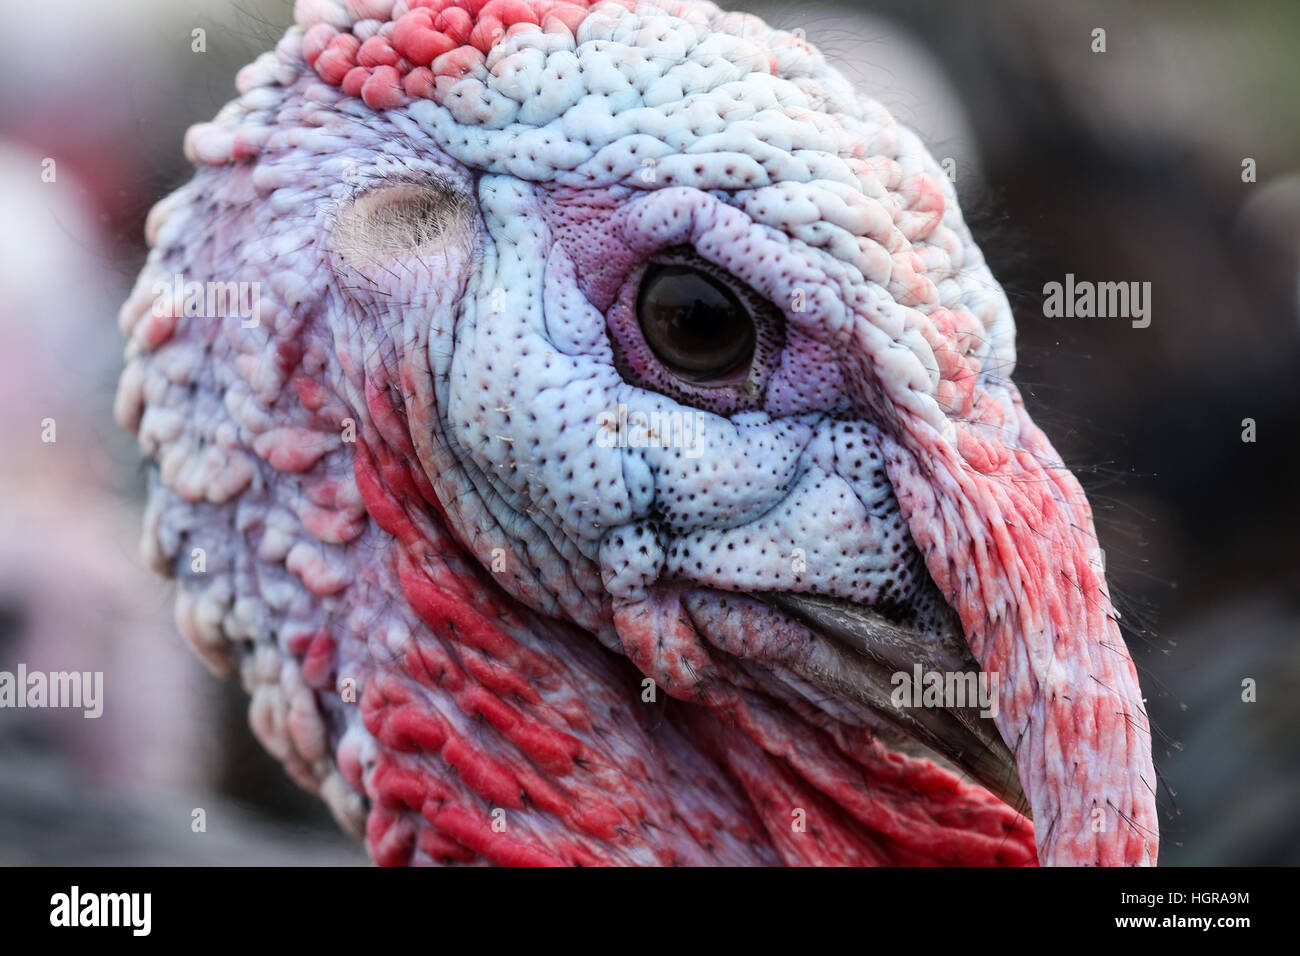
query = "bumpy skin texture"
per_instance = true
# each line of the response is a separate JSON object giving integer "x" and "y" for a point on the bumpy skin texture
{"x": 431, "y": 574}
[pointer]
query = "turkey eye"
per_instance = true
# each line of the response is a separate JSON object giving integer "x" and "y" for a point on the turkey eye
{"x": 694, "y": 323}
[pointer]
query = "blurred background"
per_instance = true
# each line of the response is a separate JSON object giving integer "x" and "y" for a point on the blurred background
{"x": 1125, "y": 165}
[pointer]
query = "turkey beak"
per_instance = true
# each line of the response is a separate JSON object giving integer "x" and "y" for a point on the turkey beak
{"x": 858, "y": 654}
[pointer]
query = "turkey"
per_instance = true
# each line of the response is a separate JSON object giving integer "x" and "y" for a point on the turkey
{"x": 580, "y": 425}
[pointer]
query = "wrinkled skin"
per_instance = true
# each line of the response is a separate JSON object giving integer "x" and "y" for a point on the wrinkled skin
{"x": 486, "y": 634}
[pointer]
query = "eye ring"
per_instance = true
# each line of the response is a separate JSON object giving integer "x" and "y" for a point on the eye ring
{"x": 695, "y": 319}
{"x": 728, "y": 384}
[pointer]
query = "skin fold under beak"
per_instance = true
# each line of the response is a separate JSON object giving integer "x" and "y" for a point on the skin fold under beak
{"x": 859, "y": 655}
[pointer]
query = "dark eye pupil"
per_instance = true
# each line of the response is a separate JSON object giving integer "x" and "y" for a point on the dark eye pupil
{"x": 693, "y": 323}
